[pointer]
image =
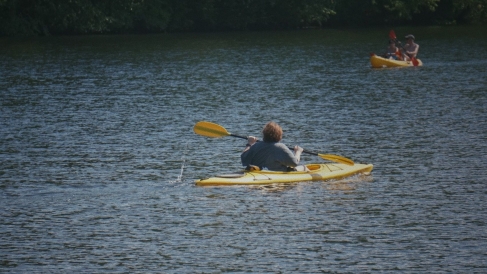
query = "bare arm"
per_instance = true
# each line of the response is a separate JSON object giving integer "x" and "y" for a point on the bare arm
{"x": 297, "y": 152}
{"x": 414, "y": 52}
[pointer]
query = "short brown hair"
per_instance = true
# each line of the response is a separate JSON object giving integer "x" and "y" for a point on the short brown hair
{"x": 272, "y": 132}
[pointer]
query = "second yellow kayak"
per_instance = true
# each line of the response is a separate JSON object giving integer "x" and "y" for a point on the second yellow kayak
{"x": 381, "y": 62}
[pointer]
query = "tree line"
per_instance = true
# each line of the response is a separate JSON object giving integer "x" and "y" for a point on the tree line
{"x": 61, "y": 17}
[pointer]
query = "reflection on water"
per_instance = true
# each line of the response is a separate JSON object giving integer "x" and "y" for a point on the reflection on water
{"x": 98, "y": 157}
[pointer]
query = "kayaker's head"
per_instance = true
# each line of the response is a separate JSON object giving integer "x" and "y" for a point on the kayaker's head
{"x": 272, "y": 132}
{"x": 410, "y": 37}
{"x": 392, "y": 44}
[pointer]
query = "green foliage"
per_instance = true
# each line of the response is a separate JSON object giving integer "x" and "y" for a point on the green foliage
{"x": 53, "y": 17}
{"x": 376, "y": 12}
{"x": 470, "y": 11}
{"x": 406, "y": 9}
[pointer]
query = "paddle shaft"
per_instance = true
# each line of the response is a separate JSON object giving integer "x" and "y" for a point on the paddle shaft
{"x": 213, "y": 130}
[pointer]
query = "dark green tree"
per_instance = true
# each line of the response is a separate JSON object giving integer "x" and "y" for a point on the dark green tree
{"x": 53, "y": 17}
{"x": 379, "y": 12}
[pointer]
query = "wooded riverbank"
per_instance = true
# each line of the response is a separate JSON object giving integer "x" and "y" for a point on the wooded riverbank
{"x": 60, "y": 17}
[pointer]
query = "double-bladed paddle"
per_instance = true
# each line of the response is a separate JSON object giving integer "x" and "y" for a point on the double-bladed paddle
{"x": 213, "y": 130}
{"x": 392, "y": 35}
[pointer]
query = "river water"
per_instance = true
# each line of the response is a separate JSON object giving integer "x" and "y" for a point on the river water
{"x": 98, "y": 157}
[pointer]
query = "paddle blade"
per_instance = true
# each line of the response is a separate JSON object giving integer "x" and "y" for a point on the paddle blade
{"x": 209, "y": 129}
{"x": 336, "y": 158}
{"x": 398, "y": 55}
{"x": 392, "y": 35}
{"x": 415, "y": 61}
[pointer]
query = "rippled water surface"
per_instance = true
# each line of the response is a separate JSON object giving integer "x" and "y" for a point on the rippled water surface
{"x": 98, "y": 157}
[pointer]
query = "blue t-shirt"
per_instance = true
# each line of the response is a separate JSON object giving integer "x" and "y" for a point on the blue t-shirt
{"x": 270, "y": 155}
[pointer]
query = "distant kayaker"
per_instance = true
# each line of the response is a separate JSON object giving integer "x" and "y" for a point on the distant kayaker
{"x": 393, "y": 51}
{"x": 271, "y": 154}
{"x": 411, "y": 48}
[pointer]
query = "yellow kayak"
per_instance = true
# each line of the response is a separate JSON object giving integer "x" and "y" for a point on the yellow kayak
{"x": 381, "y": 62}
{"x": 317, "y": 172}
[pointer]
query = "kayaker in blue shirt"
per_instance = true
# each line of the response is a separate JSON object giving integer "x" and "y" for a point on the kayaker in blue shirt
{"x": 271, "y": 154}
{"x": 392, "y": 51}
